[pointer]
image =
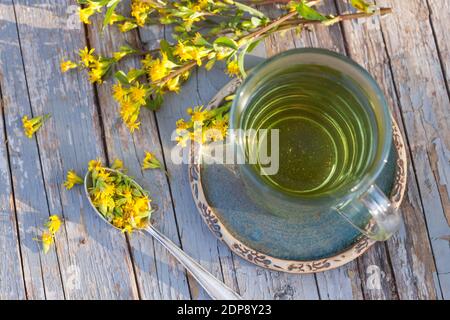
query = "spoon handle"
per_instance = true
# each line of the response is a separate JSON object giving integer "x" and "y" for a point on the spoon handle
{"x": 216, "y": 289}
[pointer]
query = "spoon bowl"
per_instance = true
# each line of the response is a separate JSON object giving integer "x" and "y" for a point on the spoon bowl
{"x": 88, "y": 185}
{"x": 215, "y": 288}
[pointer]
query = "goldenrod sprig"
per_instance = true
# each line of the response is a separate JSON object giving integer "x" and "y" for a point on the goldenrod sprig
{"x": 30, "y": 126}
{"x": 204, "y": 32}
{"x": 52, "y": 225}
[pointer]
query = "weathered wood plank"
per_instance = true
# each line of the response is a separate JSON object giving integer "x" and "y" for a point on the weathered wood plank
{"x": 424, "y": 102}
{"x": 409, "y": 249}
{"x": 159, "y": 275}
{"x": 94, "y": 258}
{"x": 439, "y": 16}
{"x": 41, "y": 272}
{"x": 11, "y": 276}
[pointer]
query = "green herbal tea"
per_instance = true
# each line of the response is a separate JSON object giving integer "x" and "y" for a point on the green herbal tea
{"x": 327, "y": 130}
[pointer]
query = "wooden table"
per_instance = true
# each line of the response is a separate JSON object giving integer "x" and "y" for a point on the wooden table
{"x": 408, "y": 52}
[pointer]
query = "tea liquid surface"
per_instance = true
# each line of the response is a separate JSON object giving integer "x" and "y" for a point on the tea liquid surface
{"x": 327, "y": 129}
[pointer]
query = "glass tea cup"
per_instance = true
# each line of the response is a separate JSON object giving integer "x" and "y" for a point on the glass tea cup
{"x": 325, "y": 122}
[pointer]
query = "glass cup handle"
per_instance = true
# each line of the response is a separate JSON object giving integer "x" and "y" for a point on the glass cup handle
{"x": 385, "y": 219}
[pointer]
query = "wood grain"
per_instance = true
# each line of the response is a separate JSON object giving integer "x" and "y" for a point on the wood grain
{"x": 158, "y": 274}
{"x": 11, "y": 277}
{"x": 94, "y": 261}
{"x": 410, "y": 263}
{"x": 424, "y": 102}
{"x": 41, "y": 272}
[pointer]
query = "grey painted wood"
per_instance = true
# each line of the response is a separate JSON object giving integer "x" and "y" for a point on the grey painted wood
{"x": 425, "y": 106}
{"x": 158, "y": 274}
{"x": 409, "y": 250}
{"x": 93, "y": 257}
{"x": 439, "y": 13}
{"x": 41, "y": 272}
{"x": 11, "y": 278}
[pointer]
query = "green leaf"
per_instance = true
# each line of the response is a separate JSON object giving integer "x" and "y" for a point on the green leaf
{"x": 210, "y": 64}
{"x": 249, "y": 10}
{"x": 226, "y": 42}
{"x": 256, "y": 22}
{"x": 166, "y": 48}
{"x": 200, "y": 41}
{"x": 309, "y": 13}
{"x": 363, "y": 6}
{"x": 253, "y": 45}
{"x": 111, "y": 7}
{"x": 122, "y": 77}
{"x": 241, "y": 60}
{"x": 155, "y": 102}
{"x": 133, "y": 74}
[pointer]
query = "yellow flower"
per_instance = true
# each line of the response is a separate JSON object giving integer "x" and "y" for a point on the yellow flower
{"x": 188, "y": 53}
{"x": 85, "y": 14}
{"x": 118, "y": 222}
{"x": 129, "y": 112}
{"x": 140, "y": 11}
{"x": 53, "y": 224}
{"x": 127, "y": 26}
{"x": 138, "y": 93}
{"x": 30, "y": 126}
{"x": 119, "y": 92}
{"x": 198, "y": 114}
{"x": 94, "y": 165}
{"x": 72, "y": 179}
{"x": 87, "y": 56}
{"x": 182, "y": 51}
{"x": 115, "y": 18}
{"x": 181, "y": 126}
{"x": 219, "y": 129}
{"x": 67, "y": 65}
{"x": 182, "y": 139}
{"x": 150, "y": 161}
{"x": 173, "y": 84}
{"x": 159, "y": 68}
{"x": 117, "y": 164}
{"x": 233, "y": 68}
{"x": 98, "y": 69}
{"x": 47, "y": 241}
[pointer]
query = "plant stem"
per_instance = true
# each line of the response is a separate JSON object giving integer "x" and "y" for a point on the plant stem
{"x": 284, "y": 22}
{"x": 350, "y": 16}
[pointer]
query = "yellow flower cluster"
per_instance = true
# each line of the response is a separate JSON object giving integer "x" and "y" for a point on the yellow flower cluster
{"x": 204, "y": 125}
{"x": 190, "y": 52}
{"x": 72, "y": 179}
{"x": 48, "y": 236}
{"x": 97, "y": 66}
{"x": 30, "y": 126}
{"x": 233, "y": 68}
{"x": 120, "y": 200}
{"x": 140, "y": 10}
{"x": 130, "y": 100}
{"x": 204, "y": 32}
{"x": 89, "y": 9}
{"x": 150, "y": 162}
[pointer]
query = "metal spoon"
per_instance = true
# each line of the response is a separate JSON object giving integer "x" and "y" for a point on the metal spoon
{"x": 215, "y": 288}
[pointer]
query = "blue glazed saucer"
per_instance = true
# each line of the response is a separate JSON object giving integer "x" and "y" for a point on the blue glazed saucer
{"x": 302, "y": 244}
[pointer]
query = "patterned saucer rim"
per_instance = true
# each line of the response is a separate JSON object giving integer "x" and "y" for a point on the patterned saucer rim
{"x": 360, "y": 246}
